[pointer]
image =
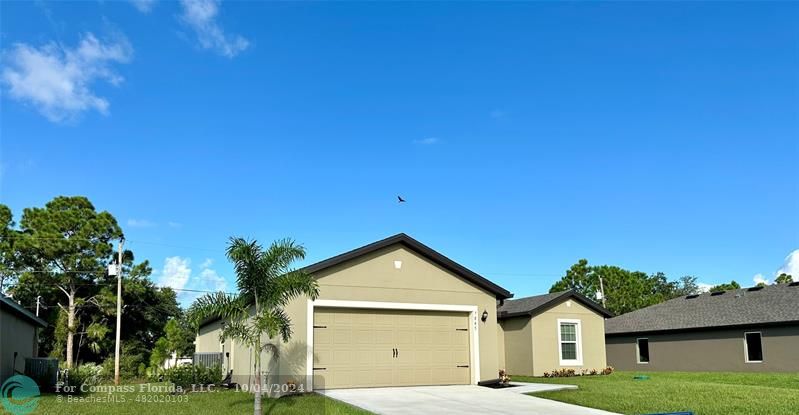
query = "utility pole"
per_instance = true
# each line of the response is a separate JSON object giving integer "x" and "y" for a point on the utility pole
{"x": 602, "y": 289}
{"x": 38, "y": 300}
{"x": 119, "y": 311}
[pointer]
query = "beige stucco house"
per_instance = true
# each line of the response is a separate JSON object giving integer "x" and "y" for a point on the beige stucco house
{"x": 394, "y": 312}
{"x": 562, "y": 330}
{"x": 391, "y": 313}
{"x": 18, "y": 337}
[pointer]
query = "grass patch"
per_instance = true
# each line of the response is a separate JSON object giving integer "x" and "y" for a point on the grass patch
{"x": 201, "y": 403}
{"x": 704, "y": 393}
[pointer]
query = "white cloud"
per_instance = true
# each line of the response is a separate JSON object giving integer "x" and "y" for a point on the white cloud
{"x": 144, "y": 6}
{"x": 58, "y": 80}
{"x": 176, "y": 272}
{"x": 209, "y": 280}
{"x": 201, "y": 16}
{"x": 790, "y": 265}
{"x": 427, "y": 141}
{"x": 140, "y": 223}
{"x": 704, "y": 287}
{"x": 759, "y": 278}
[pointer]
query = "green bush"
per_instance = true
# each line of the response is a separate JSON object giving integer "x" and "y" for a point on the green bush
{"x": 88, "y": 374}
{"x": 186, "y": 376}
{"x": 181, "y": 376}
{"x": 211, "y": 375}
{"x": 141, "y": 372}
{"x": 155, "y": 373}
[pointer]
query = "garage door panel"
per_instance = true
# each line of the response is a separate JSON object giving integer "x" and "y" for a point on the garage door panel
{"x": 385, "y": 336}
{"x": 356, "y": 347}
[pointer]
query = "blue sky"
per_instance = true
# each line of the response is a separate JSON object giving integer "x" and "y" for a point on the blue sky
{"x": 525, "y": 136}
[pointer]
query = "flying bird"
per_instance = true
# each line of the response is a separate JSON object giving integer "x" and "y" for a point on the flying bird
{"x": 400, "y": 199}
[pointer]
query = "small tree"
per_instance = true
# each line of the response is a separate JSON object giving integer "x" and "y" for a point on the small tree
{"x": 732, "y": 285}
{"x": 784, "y": 278}
{"x": 266, "y": 283}
{"x": 178, "y": 338}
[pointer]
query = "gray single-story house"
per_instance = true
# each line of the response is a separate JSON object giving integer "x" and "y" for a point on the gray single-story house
{"x": 18, "y": 337}
{"x": 562, "y": 330}
{"x": 746, "y": 330}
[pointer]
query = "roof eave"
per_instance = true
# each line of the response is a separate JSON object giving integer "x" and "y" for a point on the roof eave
{"x": 557, "y": 300}
{"x": 703, "y": 328}
{"x": 420, "y": 248}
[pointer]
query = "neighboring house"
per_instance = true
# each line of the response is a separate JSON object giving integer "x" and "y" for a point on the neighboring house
{"x": 18, "y": 337}
{"x": 174, "y": 361}
{"x": 745, "y": 330}
{"x": 392, "y": 313}
{"x": 562, "y": 330}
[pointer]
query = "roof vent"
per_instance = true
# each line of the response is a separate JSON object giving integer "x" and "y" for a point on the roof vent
{"x": 794, "y": 284}
{"x": 688, "y": 297}
{"x": 758, "y": 288}
{"x": 717, "y": 293}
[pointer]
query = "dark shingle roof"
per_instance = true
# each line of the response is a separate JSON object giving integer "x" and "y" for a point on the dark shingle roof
{"x": 539, "y": 303}
{"x": 772, "y": 304}
{"x": 9, "y": 304}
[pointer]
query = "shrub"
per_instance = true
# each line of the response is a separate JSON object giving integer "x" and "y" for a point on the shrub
{"x": 88, "y": 374}
{"x": 565, "y": 373}
{"x": 208, "y": 375}
{"x": 181, "y": 376}
{"x": 186, "y": 376}
{"x": 155, "y": 374}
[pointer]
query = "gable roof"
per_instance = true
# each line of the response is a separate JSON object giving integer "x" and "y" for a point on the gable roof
{"x": 6, "y": 303}
{"x": 539, "y": 303}
{"x": 773, "y": 304}
{"x": 421, "y": 249}
{"x": 415, "y": 246}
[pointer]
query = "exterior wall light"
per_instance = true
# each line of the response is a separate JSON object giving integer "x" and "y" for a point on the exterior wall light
{"x": 484, "y": 317}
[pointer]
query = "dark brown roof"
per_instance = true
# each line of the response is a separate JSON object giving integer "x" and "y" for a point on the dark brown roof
{"x": 9, "y": 304}
{"x": 540, "y": 303}
{"x": 421, "y": 249}
{"x": 773, "y": 304}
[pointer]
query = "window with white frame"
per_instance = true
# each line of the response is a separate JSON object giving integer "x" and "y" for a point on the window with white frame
{"x": 753, "y": 347}
{"x": 569, "y": 345}
{"x": 643, "y": 350}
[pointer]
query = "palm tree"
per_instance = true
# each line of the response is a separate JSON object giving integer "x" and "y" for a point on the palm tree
{"x": 266, "y": 282}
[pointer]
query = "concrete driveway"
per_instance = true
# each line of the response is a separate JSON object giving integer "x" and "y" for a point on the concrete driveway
{"x": 459, "y": 399}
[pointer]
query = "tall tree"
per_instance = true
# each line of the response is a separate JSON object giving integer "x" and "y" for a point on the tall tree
{"x": 8, "y": 256}
{"x": 68, "y": 244}
{"x": 266, "y": 282}
{"x": 625, "y": 290}
{"x": 783, "y": 278}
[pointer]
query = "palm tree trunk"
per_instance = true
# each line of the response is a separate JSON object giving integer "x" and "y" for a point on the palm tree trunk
{"x": 257, "y": 406}
{"x": 70, "y": 328}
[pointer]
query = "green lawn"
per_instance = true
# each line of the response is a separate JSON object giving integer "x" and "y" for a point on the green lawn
{"x": 217, "y": 402}
{"x": 703, "y": 393}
